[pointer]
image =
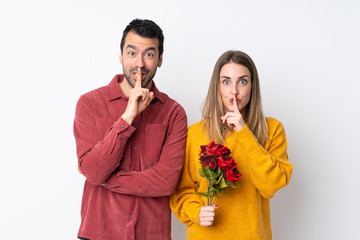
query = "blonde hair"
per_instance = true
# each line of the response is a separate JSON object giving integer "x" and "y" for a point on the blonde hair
{"x": 213, "y": 107}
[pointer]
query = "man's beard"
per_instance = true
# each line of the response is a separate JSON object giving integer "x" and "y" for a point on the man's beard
{"x": 144, "y": 83}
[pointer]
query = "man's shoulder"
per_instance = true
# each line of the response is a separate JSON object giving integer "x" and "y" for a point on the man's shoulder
{"x": 101, "y": 90}
{"x": 165, "y": 99}
{"x": 99, "y": 94}
{"x": 94, "y": 95}
{"x": 169, "y": 110}
{"x": 169, "y": 102}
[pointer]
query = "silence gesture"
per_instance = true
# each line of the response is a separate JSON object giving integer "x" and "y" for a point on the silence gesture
{"x": 233, "y": 118}
{"x": 139, "y": 99}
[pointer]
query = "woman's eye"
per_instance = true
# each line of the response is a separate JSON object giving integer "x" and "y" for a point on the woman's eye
{"x": 226, "y": 82}
{"x": 243, "y": 81}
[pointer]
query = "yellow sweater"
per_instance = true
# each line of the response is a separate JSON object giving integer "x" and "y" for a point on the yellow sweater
{"x": 244, "y": 213}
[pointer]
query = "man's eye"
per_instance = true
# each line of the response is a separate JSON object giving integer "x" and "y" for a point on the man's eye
{"x": 131, "y": 53}
{"x": 149, "y": 55}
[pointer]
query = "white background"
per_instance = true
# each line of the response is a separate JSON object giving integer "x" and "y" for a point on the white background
{"x": 307, "y": 54}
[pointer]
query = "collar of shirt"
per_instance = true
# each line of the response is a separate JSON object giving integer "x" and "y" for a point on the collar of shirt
{"x": 115, "y": 90}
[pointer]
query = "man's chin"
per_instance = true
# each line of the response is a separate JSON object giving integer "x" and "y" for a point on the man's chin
{"x": 132, "y": 84}
{"x": 145, "y": 83}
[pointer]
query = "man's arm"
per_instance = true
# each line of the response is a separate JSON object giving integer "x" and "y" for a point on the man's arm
{"x": 162, "y": 177}
{"x": 98, "y": 156}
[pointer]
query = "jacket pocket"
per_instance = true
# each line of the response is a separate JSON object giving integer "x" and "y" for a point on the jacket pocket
{"x": 152, "y": 144}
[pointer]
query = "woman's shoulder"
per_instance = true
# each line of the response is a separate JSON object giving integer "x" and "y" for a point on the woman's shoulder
{"x": 271, "y": 121}
{"x": 274, "y": 125}
{"x": 196, "y": 127}
{"x": 197, "y": 134}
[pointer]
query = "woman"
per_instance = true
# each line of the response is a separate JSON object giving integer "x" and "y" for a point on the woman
{"x": 233, "y": 117}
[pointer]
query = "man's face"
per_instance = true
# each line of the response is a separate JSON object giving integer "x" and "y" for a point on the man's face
{"x": 140, "y": 52}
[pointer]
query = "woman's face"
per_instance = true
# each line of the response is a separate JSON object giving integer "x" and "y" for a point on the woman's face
{"x": 235, "y": 79}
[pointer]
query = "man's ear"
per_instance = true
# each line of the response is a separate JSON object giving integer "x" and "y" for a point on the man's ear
{"x": 120, "y": 57}
{"x": 160, "y": 61}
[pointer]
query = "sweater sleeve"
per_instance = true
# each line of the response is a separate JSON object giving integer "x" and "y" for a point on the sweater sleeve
{"x": 160, "y": 179}
{"x": 98, "y": 156}
{"x": 185, "y": 202}
{"x": 270, "y": 169}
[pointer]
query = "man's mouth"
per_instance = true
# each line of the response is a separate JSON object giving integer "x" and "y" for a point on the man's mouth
{"x": 135, "y": 75}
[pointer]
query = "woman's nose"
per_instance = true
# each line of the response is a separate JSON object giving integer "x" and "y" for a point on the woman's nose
{"x": 234, "y": 90}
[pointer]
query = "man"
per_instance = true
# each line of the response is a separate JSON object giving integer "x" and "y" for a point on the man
{"x": 130, "y": 145}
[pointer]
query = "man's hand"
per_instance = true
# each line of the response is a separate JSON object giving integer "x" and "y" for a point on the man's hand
{"x": 234, "y": 119}
{"x": 139, "y": 99}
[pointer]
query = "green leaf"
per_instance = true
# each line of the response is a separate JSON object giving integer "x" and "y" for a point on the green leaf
{"x": 208, "y": 173}
{"x": 203, "y": 194}
{"x": 223, "y": 183}
{"x": 216, "y": 174}
{"x": 233, "y": 185}
{"x": 223, "y": 191}
{"x": 212, "y": 189}
{"x": 201, "y": 173}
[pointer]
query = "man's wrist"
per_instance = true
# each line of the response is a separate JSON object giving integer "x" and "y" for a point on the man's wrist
{"x": 127, "y": 119}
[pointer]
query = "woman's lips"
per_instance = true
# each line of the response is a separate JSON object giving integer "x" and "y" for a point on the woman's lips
{"x": 232, "y": 100}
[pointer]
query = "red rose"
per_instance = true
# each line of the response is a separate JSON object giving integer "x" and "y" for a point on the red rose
{"x": 211, "y": 149}
{"x": 216, "y": 149}
{"x": 226, "y": 162}
{"x": 208, "y": 160}
{"x": 224, "y": 151}
{"x": 232, "y": 174}
{"x": 203, "y": 149}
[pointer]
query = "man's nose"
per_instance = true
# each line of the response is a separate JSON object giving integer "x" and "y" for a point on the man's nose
{"x": 140, "y": 61}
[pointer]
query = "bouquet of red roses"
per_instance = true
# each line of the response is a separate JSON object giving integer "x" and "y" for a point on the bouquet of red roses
{"x": 219, "y": 168}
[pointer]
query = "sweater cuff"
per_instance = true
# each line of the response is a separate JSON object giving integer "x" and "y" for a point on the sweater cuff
{"x": 194, "y": 214}
{"x": 245, "y": 132}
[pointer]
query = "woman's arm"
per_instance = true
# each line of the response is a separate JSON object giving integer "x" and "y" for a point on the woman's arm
{"x": 270, "y": 169}
{"x": 185, "y": 202}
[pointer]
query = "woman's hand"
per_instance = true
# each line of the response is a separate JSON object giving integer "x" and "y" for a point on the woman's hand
{"x": 207, "y": 215}
{"x": 233, "y": 118}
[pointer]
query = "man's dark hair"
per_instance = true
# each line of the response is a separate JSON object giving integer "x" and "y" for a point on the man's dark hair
{"x": 144, "y": 28}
